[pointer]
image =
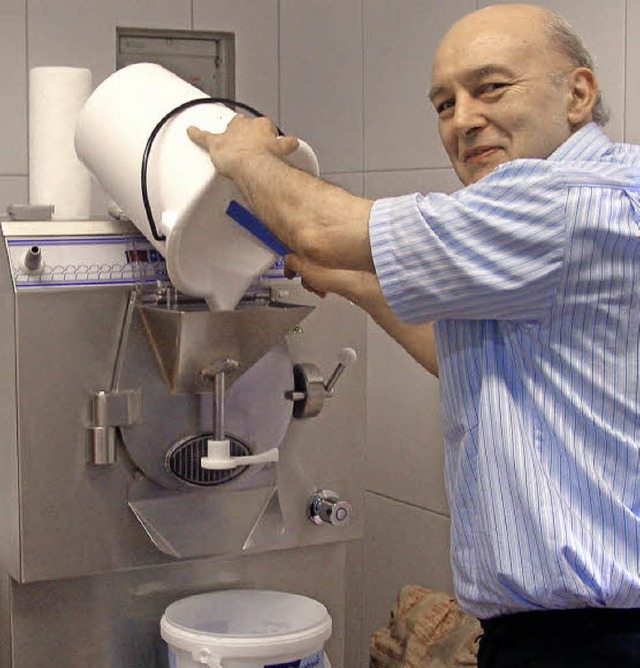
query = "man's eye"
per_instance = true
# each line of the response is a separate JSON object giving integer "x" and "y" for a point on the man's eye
{"x": 491, "y": 87}
{"x": 443, "y": 106}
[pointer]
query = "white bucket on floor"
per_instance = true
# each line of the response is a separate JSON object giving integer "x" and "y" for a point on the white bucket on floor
{"x": 246, "y": 629}
{"x": 208, "y": 253}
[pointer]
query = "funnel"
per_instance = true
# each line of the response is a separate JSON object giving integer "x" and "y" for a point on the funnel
{"x": 208, "y": 254}
{"x": 188, "y": 338}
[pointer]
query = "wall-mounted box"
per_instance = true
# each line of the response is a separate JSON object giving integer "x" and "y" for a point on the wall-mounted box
{"x": 203, "y": 58}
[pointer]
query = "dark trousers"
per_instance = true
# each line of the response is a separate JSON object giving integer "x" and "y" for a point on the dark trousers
{"x": 584, "y": 638}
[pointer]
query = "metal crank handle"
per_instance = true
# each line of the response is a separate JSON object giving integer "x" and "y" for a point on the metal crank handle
{"x": 310, "y": 390}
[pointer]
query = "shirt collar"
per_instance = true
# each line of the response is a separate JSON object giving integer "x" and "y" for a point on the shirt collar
{"x": 588, "y": 143}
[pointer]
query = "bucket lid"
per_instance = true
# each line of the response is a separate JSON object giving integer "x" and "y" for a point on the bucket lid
{"x": 247, "y": 623}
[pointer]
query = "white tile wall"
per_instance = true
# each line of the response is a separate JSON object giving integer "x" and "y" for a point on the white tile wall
{"x": 404, "y": 545}
{"x": 352, "y": 182}
{"x": 405, "y": 454}
{"x": 400, "y": 39}
{"x": 632, "y": 89}
{"x": 255, "y": 25}
{"x": 13, "y": 190}
{"x": 84, "y": 34}
{"x": 13, "y": 83}
{"x": 388, "y": 184}
{"x": 321, "y": 79}
{"x": 601, "y": 24}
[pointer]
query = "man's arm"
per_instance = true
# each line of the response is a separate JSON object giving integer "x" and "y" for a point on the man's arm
{"x": 417, "y": 340}
{"x": 363, "y": 289}
{"x": 315, "y": 219}
{"x": 326, "y": 227}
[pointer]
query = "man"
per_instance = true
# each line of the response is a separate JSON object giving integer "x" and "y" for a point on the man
{"x": 531, "y": 276}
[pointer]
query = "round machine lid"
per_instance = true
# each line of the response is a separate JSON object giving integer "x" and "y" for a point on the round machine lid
{"x": 257, "y": 415}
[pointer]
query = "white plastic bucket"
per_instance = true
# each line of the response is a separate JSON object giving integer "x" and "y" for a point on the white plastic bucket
{"x": 208, "y": 254}
{"x": 246, "y": 629}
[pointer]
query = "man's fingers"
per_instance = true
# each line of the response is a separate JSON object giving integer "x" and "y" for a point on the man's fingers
{"x": 289, "y": 273}
{"x": 265, "y": 123}
{"x": 198, "y": 136}
{"x": 287, "y": 145}
{"x": 310, "y": 275}
{"x": 290, "y": 266}
{"x": 245, "y": 133}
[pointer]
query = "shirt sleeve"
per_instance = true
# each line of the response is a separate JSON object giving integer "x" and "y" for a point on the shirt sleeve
{"x": 492, "y": 250}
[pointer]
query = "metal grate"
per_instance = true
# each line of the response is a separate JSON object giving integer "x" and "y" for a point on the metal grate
{"x": 183, "y": 460}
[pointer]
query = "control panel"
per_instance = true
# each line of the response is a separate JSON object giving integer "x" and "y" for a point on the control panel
{"x": 54, "y": 260}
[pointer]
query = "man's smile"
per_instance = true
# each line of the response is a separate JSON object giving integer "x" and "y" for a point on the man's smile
{"x": 479, "y": 153}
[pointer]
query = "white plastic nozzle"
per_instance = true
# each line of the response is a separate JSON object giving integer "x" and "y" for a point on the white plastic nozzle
{"x": 219, "y": 457}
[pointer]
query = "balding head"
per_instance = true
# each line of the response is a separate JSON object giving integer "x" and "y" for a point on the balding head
{"x": 504, "y": 90}
{"x": 515, "y": 18}
{"x": 520, "y": 28}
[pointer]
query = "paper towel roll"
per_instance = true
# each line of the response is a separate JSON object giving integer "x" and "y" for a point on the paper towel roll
{"x": 56, "y": 176}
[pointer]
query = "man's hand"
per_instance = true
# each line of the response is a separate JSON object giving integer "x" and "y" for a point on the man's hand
{"x": 318, "y": 221}
{"x": 244, "y": 137}
{"x": 360, "y": 287}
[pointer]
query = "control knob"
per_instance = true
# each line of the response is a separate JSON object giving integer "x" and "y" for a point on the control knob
{"x": 325, "y": 507}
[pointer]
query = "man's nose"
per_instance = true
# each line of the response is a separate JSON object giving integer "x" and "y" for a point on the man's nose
{"x": 468, "y": 115}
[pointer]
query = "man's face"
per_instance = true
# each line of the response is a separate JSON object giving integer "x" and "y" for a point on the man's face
{"x": 494, "y": 91}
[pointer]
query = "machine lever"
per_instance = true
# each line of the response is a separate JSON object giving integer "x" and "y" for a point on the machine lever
{"x": 346, "y": 357}
{"x": 113, "y": 408}
{"x": 215, "y": 373}
{"x": 219, "y": 456}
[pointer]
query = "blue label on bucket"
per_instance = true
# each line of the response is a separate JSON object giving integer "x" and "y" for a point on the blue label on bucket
{"x": 252, "y": 224}
{"x": 314, "y": 661}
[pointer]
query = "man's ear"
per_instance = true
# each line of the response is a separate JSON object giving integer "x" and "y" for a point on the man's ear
{"x": 583, "y": 90}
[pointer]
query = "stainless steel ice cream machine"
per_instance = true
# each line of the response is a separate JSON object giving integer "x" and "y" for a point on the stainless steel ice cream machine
{"x": 140, "y": 429}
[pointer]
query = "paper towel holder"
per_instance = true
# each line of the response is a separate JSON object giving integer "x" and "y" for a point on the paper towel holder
{"x": 30, "y": 212}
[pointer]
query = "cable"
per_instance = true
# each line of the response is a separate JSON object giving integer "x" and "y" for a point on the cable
{"x": 156, "y": 130}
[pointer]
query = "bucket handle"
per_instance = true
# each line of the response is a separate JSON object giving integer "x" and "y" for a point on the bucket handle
{"x": 147, "y": 150}
{"x": 206, "y": 658}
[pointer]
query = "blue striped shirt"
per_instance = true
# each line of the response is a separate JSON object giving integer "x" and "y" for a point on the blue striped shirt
{"x": 532, "y": 276}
